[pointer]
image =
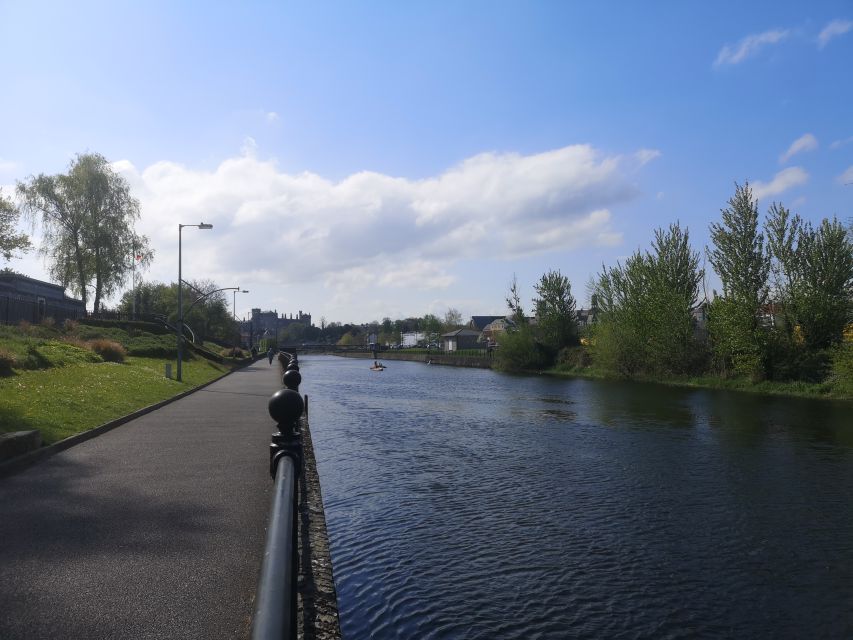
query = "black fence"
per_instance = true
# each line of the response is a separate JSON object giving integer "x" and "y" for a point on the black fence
{"x": 276, "y": 609}
{"x": 15, "y": 309}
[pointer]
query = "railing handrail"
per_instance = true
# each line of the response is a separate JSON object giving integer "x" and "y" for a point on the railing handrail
{"x": 276, "y": 608}
{"x": 275, "y": 611}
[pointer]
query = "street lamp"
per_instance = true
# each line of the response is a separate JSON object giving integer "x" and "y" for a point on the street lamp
{"x": 180, "y": 328}
{"x": 234, "y": 301}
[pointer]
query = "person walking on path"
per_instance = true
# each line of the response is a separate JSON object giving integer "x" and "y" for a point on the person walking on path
{"x": 270, "y": 354}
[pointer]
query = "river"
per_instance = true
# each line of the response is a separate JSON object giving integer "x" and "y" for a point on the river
{"x": 465, "y": 503}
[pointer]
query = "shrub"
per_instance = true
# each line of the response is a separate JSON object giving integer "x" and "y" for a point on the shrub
{"x": 48, "y": 322}
{"x": 69, "y": 326}
{"x": 573, "y": 358}
{"x": 842, "y": 366}
{"x": 25, "y": 327}
{"x": 234, "y": 352}
{"x": 520, "y": 351}
{"x": 8, "y": 361}
{"x": 109, "y": 350}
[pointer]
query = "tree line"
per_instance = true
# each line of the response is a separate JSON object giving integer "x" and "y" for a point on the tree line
{"x": 385, "y": 332}
{"x": 785, "y": 304}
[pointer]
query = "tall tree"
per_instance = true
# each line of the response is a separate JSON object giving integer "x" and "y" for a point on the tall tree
{"x": 555, "y": 310}
{"x": 646, "y": 324}
{"x": 739, "y": 258}
{"x": 87, "y": 218}
{"x": 823, "y": 283}
{"x": 452, "y": 319}
{"x": 10, "y": 240}
{"x": 54, "y": 200}
{"x": 431, "y": 326}
{"x": 513, "y": 301}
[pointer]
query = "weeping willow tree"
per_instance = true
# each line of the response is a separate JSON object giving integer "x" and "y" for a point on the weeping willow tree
{"x": 86, "y": 218}
{"x": 11, "y": 241}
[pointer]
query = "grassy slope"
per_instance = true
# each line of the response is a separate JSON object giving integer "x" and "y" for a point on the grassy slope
{"x": 71, "y": 393}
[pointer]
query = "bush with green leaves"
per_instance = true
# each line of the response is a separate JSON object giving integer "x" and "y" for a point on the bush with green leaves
{"x": 520, "y": 351}
{"x": 842, "y": 367}
{"x": 645, "y": 325}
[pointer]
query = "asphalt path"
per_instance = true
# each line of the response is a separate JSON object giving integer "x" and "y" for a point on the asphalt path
{"x": 152, "y": 530}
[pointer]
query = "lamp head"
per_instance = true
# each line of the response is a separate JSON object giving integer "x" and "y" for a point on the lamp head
{"x": 205, "y": 225}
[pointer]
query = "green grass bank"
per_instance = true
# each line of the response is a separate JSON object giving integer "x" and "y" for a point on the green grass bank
{"x": 67, "y": 380}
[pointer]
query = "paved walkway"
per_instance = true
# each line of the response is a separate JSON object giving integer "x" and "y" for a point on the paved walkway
{"x": 152, "y": 530}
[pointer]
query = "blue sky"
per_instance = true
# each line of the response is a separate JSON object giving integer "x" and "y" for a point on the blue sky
{"x": 362, "y": 160}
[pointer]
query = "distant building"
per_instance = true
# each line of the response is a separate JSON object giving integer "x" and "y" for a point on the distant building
{"x": 586, "y": 317}
{"x": 479, "y": 323}
{"x": 25, "y": 298}
{"x": 267, "y": 324}
{"x": 461, "y": 339}
{"x": 413, "y": 338}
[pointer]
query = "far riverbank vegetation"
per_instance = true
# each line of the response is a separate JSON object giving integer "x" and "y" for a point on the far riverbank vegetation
{"x": 782, "y": 322}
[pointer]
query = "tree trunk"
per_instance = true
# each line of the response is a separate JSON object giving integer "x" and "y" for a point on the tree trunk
{"x": 98, "y": 280}
{"x": 81, "y": 272}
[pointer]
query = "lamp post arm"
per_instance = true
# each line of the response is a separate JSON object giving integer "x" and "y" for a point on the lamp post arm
{"x": 197, "y": 300}
{"x": 194, "y": 288}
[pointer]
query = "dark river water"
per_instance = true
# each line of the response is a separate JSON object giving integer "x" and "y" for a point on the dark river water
{"x": 464, "y": 503}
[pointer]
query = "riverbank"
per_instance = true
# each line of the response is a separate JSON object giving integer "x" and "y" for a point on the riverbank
{"x": 478, "y": 362}
{"x": 794, "y": 389}
{"x": 828, "y": 390}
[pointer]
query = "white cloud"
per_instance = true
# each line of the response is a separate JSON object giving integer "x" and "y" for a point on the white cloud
{"x": 833, "y": 30}
{"x": 644, "y": 156}
{"x": 837, "y": 144}
{"x": 847, "y": 176}
{"x": 272, "y": 116}
{"x": 371, "y": 229}
{"x": 805, "y": 142}
{"x": 782, "y": 181}
{"x": 748, "y": 46}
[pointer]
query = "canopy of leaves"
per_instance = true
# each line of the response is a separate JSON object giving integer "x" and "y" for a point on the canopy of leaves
{"x": 646, "y": 326}
{"x": 556, "y": 316}
{"x": 11, "y": 241}
{"x": 86, "y": 217}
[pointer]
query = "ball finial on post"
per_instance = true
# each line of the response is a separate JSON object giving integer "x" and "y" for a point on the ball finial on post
{"x": 285, "y": 406}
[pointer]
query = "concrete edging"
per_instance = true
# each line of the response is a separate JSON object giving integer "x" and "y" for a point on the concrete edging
{"x": 19, "y": 463}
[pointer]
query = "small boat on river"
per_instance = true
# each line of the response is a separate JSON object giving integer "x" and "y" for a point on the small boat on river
{"x": 377, "y": 367}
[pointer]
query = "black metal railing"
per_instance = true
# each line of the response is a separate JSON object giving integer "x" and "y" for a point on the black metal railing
{"x": 276, "y": 605}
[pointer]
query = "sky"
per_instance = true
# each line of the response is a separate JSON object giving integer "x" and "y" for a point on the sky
{"x": 363, "y": 160}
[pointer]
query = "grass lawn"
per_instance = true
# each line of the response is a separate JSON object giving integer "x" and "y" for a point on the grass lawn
{"x": 65, "y": 400}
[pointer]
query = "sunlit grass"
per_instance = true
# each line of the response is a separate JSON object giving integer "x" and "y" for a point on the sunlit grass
{"x": 74, "y": 398}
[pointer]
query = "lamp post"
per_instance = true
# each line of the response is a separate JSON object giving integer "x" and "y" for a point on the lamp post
{"x": 234, "y": 301}
{"x": 180, "y": 328}
{"x": 236, "y": 321}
